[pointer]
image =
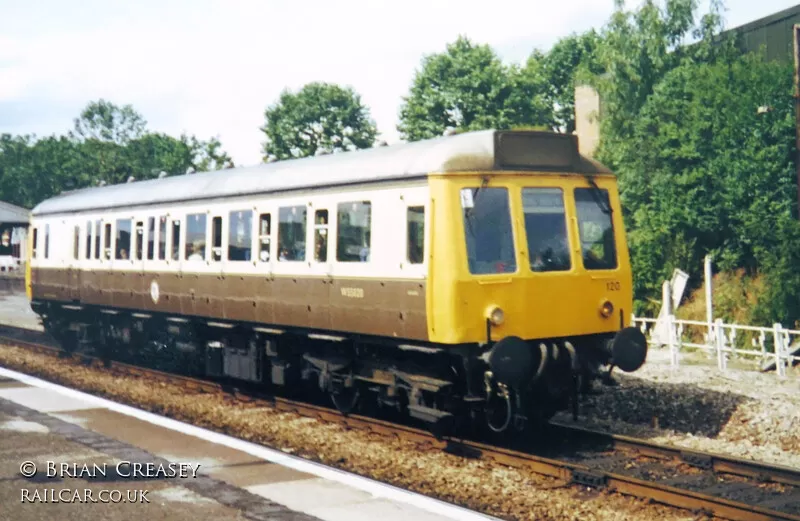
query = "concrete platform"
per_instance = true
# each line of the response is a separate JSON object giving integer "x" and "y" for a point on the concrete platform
{"x": 15, "y": 310}
{"x": 48, "y": 425}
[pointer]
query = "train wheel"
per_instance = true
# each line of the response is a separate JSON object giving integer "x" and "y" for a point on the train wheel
{"x": 68, "y": 340}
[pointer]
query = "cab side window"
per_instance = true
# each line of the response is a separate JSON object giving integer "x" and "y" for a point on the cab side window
{"x": 598, "y": 247}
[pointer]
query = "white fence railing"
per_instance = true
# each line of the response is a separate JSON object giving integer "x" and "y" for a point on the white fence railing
{"x": 763, "y": 346}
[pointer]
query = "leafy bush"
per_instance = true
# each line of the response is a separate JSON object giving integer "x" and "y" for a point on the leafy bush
{"x": 735, "y": 295}
{"x": 708, "y": 170}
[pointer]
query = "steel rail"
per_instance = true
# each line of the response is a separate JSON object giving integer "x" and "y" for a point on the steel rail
{"x": 585, "y": 475}
{"x": 721, "y": 464}
{"x": 568, "y": 471}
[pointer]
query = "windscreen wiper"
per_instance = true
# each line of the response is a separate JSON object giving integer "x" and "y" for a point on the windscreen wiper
{"x": 596, "y": 191}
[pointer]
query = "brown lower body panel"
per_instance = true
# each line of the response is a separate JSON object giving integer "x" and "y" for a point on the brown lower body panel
{"x": 388, "y": 307}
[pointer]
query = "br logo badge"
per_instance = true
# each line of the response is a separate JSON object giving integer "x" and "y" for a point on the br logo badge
{"x": 154, "y": 292}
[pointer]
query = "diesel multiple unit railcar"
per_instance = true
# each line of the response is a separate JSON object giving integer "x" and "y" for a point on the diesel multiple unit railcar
{"x": 482, "y": 275}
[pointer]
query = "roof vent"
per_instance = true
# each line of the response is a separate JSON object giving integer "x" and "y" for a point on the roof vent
{"x": 162, "y": 175}
{"x": 131, "y": 179}
{"x": 450, "y": 132}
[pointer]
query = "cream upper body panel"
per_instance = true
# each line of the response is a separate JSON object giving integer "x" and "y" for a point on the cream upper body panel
{"x": 389, "y": 205}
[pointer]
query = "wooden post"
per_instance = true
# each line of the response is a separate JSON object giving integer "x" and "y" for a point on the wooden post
{"x": 796, "y": 39}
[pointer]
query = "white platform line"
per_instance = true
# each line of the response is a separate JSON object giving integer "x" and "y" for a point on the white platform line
{"x": 375, "y": 488}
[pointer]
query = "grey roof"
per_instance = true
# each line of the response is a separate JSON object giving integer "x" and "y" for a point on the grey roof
{"x": 13, "y": 214}
{"x": 472, "y": 151}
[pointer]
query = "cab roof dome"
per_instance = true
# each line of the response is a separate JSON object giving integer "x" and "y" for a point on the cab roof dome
{"x": 470, "y": 151}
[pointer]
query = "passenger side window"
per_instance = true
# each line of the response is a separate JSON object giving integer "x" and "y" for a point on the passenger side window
{"x": 98, "y": 245}
{"x": 321, "y": 236}
{"x": 76, "y": 243}
{"x": 35, "y": 243}
{"x": 88, "y": 240}
{"x": 151, "y": 237}
{"x": 264, "y": 230}
{"x": 240, "y": 229}
{"x": 292, "y": 233}
{"x": 195, "y": 237}
{"x": 546, "y": 229}
{"x": 415, "y": 221}
{"x": 176, "y": 239}
{"x": 138, "y": 238}
{"x": 353, "y": 234}
{"x": 216, "y": 239}
{"x": 46, "y": 241}
{"x": 162, "y": 238}
{"x": 123, "y": 245}
{"x": 107, "y": 242}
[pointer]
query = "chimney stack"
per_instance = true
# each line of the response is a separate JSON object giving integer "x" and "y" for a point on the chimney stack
{"x": 587, "y": 119}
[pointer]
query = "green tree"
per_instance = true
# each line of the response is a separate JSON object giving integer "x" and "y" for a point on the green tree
{"x": 710, "y": 169}
{"x": 104, "y": 121}
{"x": 147, "y": 156}
{"x": 153, "y": 153}
{"x": 207, "y": 155}
{"x": 528, "y": 104}
{"x": 570, "y": 56}
{"x": 32, "y": 170}
{"x": 638, "y": 48}
{"x": 105, "y": 151}
{"x": 468, "y": 88}
{"x": 319, "y": 118}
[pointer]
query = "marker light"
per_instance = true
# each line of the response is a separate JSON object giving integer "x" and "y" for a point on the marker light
{"x": 496, "y": 316}
{"x": 606, "y": 309}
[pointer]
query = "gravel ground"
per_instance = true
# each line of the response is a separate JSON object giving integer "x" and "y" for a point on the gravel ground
{"x": 477, "y": 484}
{"x": 746, "y": 414}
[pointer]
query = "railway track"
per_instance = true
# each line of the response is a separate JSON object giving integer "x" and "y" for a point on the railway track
{"x": 720, "y": 486}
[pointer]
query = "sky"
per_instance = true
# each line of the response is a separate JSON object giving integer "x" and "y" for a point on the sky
{"x": 211, "y": 68}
